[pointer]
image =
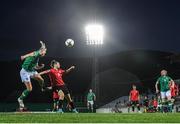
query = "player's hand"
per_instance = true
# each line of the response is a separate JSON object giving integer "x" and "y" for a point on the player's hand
{"x": 37, "y": 75}
{"x": 42, "y": 65}
{"x": 157, "y": 91}
{"x": 22, "y": 57}
{"x": 72, "y": 67}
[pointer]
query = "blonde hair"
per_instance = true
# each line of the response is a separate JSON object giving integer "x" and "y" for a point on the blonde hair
{"x": 53, "y": 62}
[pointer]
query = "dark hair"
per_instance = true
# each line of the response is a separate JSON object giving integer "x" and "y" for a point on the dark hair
{"x": 53, "y": 62}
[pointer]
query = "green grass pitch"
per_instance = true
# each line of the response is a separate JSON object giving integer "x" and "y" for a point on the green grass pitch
{"x": 88, "y": 118}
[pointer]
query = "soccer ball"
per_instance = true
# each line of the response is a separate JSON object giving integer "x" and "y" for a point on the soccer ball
{"x": 69, "y": 43}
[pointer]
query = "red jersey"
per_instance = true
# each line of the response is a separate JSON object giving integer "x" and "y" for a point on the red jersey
{"x": 174, "y": 90}
{"x": 56, "y": 77}
{"x": 134, "y": 95}
{"x": 155, "y": 103}
{"x": 55, "y": 95}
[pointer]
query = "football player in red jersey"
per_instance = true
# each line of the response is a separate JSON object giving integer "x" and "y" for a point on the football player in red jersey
{"x": 134, "y": 98}
{"x": 174, "y": 90}
{"x": 58, "y": 85}
{"x": 174, "y": 93}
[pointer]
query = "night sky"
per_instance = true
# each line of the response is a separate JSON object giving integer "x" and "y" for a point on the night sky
{"x": 129, "y": 25}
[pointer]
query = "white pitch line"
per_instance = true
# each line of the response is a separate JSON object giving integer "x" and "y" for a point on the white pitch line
{"x": 37, "y": 112}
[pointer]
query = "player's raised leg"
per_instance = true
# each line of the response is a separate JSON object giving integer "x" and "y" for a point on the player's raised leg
{"x": 71, "y": 103}
{"x": 25, "y": 76}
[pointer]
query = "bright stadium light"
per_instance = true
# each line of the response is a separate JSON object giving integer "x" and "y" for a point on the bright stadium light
{"x": 94, "y": 34}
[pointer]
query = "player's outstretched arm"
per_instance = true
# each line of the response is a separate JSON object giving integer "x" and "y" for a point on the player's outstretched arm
{"x": 94, "y": 97}
{"x": 44, "y": 72}
{"x": 27, "y": 55}
{"x": 43, "y": 46}
{"x": 69, "y": 69}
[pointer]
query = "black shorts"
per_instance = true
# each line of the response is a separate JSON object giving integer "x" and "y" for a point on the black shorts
{"x": 146, "y": 104}
{"x": 63, "y": 88}
{"x": 134, "y": 103}
{"x": 173, "y": 97}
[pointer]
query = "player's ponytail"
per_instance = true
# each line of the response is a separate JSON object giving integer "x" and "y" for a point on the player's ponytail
{"x": 52, "y": 63}
{"x": 43, "y": 46}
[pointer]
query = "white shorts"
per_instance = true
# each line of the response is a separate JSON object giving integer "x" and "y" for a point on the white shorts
{"x": 26, "y": 76}
{"x": 91, "y": 102}
{"x": 166, "y": 94}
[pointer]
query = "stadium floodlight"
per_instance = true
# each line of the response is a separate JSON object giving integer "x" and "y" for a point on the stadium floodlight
{"x": 94, "y": 37}
{"x": 94, "y": 34}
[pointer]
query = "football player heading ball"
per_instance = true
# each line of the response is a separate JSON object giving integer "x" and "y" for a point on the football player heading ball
{"x": 28, "y": 71}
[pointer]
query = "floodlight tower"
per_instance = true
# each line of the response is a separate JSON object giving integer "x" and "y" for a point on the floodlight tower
{"x": 94, "y": 38}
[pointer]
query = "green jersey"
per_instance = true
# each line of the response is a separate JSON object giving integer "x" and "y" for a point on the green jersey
{"x": 31, "y": 61}
{"x": 164, "y": 83}
{"x": 90, "y": 96}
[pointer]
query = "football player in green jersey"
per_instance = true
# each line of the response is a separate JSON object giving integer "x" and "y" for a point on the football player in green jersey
{"x": 91, "y": 97}
{"x": 164, "y": 82}
{"x": 28, "y": 71}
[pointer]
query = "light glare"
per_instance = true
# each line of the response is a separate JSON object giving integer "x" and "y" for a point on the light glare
{"x": 94, "y": 34}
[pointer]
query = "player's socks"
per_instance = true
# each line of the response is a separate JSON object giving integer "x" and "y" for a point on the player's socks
{"x": 60, "y": 110}
{"x": 145, "y": 110}
{"x": 164, "y": 106}
{"x": 24, "y": 94}
{"x": 92, "y": 110}
{"x": 138, "y": 107}
{"x": 170, "y": 106}
{"x": 72, "y": 105}
{"x": 60, "y": 104}
{"x": 161, "y": 108}
{"x": 75, "y": 111}
{"x": 88, "y": 108}
{"x": 73, "y": 108}
{"x": 133, "y": 108}
{"x": 21, "y": 104}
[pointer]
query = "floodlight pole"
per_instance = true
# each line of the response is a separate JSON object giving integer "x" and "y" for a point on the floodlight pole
{"x": 95, "y": 75}
{"x": 94, "y": 35}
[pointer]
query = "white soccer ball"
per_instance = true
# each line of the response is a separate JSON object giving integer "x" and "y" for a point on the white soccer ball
{"x": 69, "y": 43}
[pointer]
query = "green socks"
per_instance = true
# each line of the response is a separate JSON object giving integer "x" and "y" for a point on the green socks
{"x": 170, "y": 105}
{"x": 24, "y": 94}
